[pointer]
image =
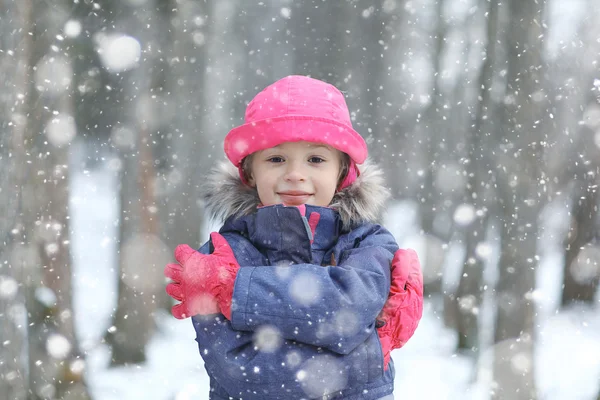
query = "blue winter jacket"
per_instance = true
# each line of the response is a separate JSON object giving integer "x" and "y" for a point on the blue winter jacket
{"x": 303, "y": 311}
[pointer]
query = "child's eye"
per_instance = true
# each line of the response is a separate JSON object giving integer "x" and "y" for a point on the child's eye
{"x": 316, "y": 160}
{"x": 275, "y": 159}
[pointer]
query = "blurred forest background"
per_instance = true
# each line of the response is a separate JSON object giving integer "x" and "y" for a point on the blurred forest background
{"x": 483, "y": 113}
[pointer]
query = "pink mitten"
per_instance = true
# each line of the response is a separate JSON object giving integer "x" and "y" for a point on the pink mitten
{"x": 202, "y": 282}
{"x": 403, "y": 309}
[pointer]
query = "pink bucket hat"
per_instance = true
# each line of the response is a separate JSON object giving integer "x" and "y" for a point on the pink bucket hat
{"x": 297, "y": 108}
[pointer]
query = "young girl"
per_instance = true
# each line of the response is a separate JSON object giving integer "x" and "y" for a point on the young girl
{"x": 288, "y": 298}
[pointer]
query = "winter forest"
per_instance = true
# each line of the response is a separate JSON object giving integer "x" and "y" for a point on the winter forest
{"x": 484, "y": 114}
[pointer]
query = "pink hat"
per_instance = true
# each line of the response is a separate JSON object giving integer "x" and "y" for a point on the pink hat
{"x": 293, "y": 109}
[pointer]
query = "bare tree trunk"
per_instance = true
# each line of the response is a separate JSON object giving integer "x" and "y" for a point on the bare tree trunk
{"x": 317, "y": 40}
{"x": 188, "y": 148}
{"x": 142, "y": 253}
{"x": 582, "y": 261}
{"x": 574, "y": 158}
{"x": 581, "y": 268}
{"x": 514, "y": 335}
{"x": 14, "y": 103}
{"x": 434, "y": 216}
{"x": 396, "y": 119}
{"x": 363, "y": 70}
{"x": 267, "y": 54}
{"x": 98, "y": 102}
{"x": 432, "y": 123}
{"x": 469, "y": 291}
{"x": 520, "y": 202}
{"x": 42, "y": 137}
{"x": 141, "y": 259}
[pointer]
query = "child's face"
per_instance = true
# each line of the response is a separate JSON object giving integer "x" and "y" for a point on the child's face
{"x": 295, "y": 173}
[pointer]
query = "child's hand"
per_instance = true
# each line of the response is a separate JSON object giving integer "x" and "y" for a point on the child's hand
{"x": 403, "y": 309}
{"x": 203, "y": 283}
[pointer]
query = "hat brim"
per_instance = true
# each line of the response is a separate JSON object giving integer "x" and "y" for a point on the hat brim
{"x": 264, "y": 134}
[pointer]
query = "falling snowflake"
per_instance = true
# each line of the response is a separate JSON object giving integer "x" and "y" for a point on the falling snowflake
{"x": 322, "y": 375}
{"x": 53, "y": 75}
{"x": 58, "y": 346}
{"x": 586, "y": 266}
{"x": 286, "y": 12}
{"x": 61, "y": 130}
{"x": 464, "y": 214}
{"x": 8, "y": 287}
{"x": 72, "y": 28}
{"x": 119, "y": 53}
{"x": 305, "y": 289}
{"x": 267, "y": 339}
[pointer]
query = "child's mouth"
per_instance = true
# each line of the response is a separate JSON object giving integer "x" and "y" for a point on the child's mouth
{"x": 294, "y": 198}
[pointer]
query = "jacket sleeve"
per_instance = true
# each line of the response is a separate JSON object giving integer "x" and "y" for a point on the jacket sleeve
{"x": 333, "y": 307}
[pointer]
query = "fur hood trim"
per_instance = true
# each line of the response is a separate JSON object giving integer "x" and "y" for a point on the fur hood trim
{"x": 225, "y": 195}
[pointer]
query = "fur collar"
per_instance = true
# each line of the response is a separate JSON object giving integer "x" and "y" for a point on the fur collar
{"x": 225, "y": 195}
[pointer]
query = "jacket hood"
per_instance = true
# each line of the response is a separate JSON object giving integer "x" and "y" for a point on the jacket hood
{"x": 225, "y": 195}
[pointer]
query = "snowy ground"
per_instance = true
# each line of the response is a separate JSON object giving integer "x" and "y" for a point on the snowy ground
{"x": 568, "y": 349}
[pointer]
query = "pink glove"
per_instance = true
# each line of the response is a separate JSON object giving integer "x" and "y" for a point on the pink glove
{"x": 203, "y": 283}
{"x": 403, "y": 309}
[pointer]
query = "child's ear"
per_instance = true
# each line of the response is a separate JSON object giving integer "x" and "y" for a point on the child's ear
{"x": 250, "y": 180}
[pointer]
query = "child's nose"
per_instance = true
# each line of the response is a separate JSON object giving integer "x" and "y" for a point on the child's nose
{"x": 294, "y": 172}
